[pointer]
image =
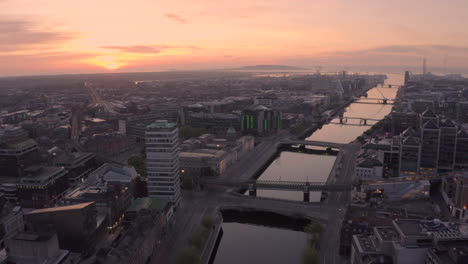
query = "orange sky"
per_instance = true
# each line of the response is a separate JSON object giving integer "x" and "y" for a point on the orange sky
{"x": 69, "y": 36}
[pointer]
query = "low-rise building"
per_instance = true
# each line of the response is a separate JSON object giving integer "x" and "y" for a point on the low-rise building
{"x": 42, "y": 187}
{"x": 36, "y": 248}
{"x": 407, "y": 241}
{"x": 11, "y": 222}
{"x": 455, "y": 193}
{"x": 76, "y": 225}
{"x": 368, "y": 169}
{"x": 111, "y": 186}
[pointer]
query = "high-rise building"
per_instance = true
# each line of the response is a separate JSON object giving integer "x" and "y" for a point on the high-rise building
{"x": 461, "y": 152}
{"x": 162, "y": 159}
{"x": 430, "y": 134}
{"x": 447, "y": 143}
{"x": 407, "y": 77}
{"x": 409, "y": 152}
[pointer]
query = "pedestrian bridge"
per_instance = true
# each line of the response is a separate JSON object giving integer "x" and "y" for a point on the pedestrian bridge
{"x": 312, "y": 143}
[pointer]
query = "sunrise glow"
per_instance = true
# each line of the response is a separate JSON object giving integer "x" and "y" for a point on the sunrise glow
{"x": 51, "y": 36}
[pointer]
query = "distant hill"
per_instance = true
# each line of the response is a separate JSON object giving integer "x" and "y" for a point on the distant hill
{"x": 268, "y": 68}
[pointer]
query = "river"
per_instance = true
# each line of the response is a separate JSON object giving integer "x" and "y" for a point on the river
{"x": 247, "y": 243}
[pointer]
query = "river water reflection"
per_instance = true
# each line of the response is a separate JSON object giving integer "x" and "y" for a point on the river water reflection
{"x": 246, "y": 243}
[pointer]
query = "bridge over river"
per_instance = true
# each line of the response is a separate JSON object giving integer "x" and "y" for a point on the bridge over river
{"x": 253, "y": 185}
{"x": 312, "y": 143}
{"x": 312, "y": 210}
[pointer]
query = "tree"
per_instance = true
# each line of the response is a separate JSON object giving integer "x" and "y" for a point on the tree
{"x": 187, "y": 182}
{"x": 310, "y": 256}
{"x": 187, "y": 132}
{"x": 188, "y": 255}
{"x": 314, "y": 229}
{"x": 208, "y": 222}
{"x": 198, "y": 238}
{"x": 139, "y": 163}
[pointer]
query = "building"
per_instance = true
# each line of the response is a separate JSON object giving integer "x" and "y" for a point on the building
{"x": 216, "y": 123}
{"x": 42, "y": 187}
{"x": 430, "y": 134}
{"x": 410, "y": 150}
{"x": 461, "y": 150}
{"x": 78, "y": 164}
{"x": 407, "y": 241}
{"x": 453, "y": 252}
{"x": 208, "y": 156}
{"x": 260, "y": 120}
{"x": 149, "y": 205}
{"x": 36, "y": 248}
{"x": 400, "y": 121}
{"x": 111, "y": 186}
{"x": 17, "y": 151}
{"x": 447, "y": 146}
{"x": 369, "y": 169}
{"x": 75, "y": 225}
{"x": 455, "y": 193}
{"x": 109, "y": 143}
{"x": 11, "y": 222}
{"x": 162, "y": 159}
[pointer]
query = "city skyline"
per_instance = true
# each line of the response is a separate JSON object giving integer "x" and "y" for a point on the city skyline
{"x": 54, "y": 37}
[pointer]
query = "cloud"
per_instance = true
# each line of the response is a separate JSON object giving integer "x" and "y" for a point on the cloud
{"x": 139, "y": 48}
{"x": 194, "y": 48}
{"x": 419, "y": 50}
{"x": 23, "y": 34}
{"x": 148, "y": 49}
{"x": 175, "y": 17}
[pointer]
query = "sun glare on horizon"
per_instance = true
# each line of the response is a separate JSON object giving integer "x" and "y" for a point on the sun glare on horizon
{"x": 107, "y": 62}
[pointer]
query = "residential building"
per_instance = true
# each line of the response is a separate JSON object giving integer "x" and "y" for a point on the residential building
{"x": 162, "y": 159}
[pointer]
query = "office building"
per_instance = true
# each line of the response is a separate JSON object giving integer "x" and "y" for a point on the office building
{"x": 162, "y": 159}
{"x": 430, "y": 134}
{"x": 461, "y": 150}
{"x": 260, "y": 120}
{"x": 17, "y": 151}
{"x": 75, "y": 225}
{"x": 455, "y": 193}
{"x": 42, "y": 186}
{"x": 447, "y": 146}
{"x": 410, "y": 150}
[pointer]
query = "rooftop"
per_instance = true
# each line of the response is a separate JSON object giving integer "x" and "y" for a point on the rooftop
{"x": 61, "y": 208}
{"x": 161, "y": 124}
{"x": 415, "y": 227}
{"x": 150, "y": 203}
